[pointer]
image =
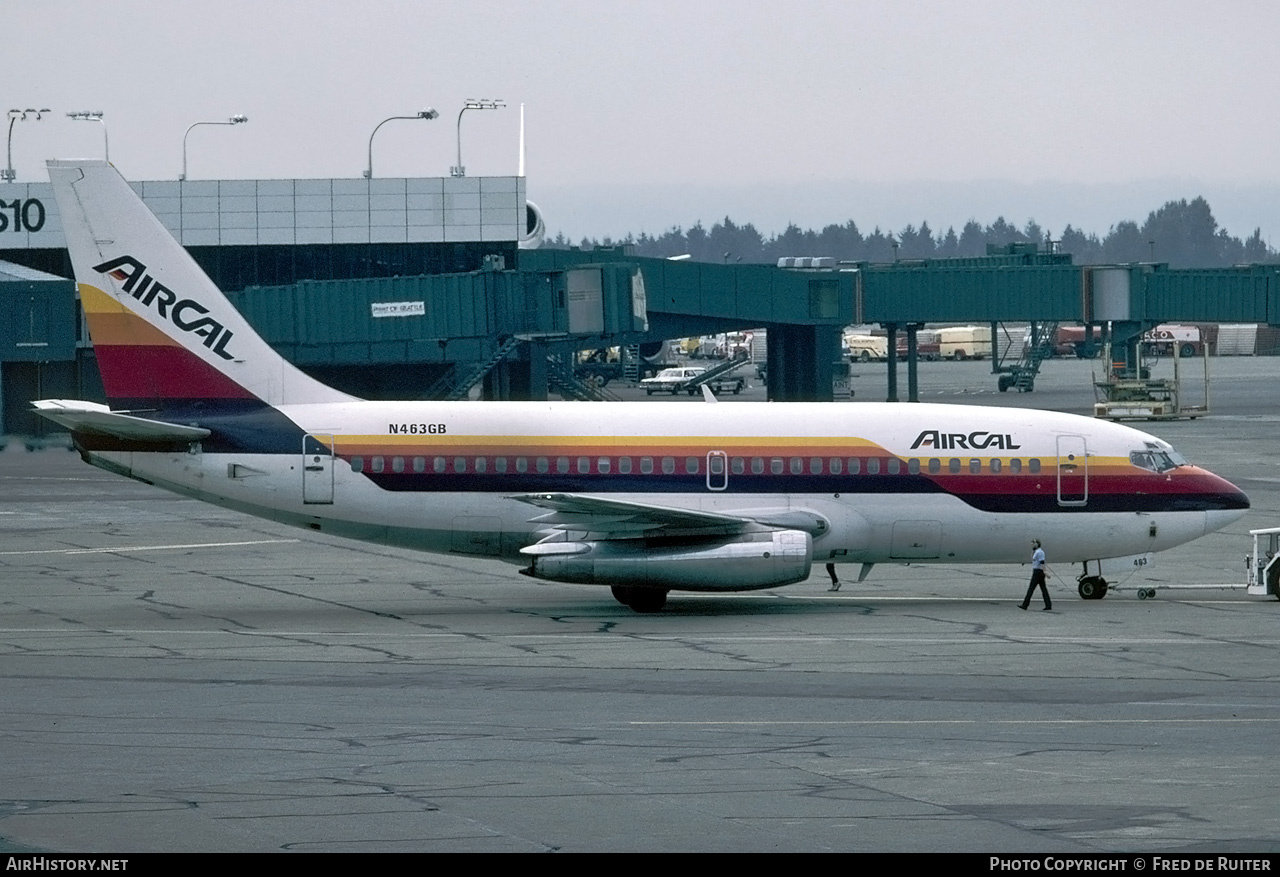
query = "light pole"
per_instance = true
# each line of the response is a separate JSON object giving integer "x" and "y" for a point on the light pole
{"x": 94, "y": 116}
{"x": 472, "y": 104}
{"x": 428, "y": 113}
{"x": 8, "y": 175}
{"x": 237, "y": 119}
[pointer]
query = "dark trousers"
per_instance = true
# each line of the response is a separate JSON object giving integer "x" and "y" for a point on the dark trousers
{"x": 1037, "y": 579}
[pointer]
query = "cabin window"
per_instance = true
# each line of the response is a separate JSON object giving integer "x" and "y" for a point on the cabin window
{"x": 975, "y": 467}
{"x": 357, "y": 464}
{"x": 913, "y": 466}
{"x": 737, "y": 465}
{"x": 691, "y": 465}
{"x": 646, "y": 465}
{"x": 835, "y": 465}
{"x": 815, "y": 465}
{"x": 562, "y": 465}
{"x": 438, "y": 464}
{"x": 855, "y": 465}
{"x": 419, "y": 464}
{"x": 1033, "y": 465}
{"x": 1015, "y": 466}
{"x": 935, "y": 466}
{"x": 377, "y": 463}
{"x": 757, "y": 465}
{"x": 624, "y": 465}
{"x": 668, "y": 465}
{"x": 895, "y": 466}
{"x": 522, "y": 464}
{"x": 500, "y": 465}
{"x": 397, "y": 464}
{"x": 775, "y": 465}
{"x": 873, "y": 466}
{"x": 543, "y": 465}
{"x": 459, "y": 464}
{"x": 584, "y": 465}
{"x": 797, "y": 465}
{"x": 482, "y": 464}
{"x": 602, "y": 466}
{"x": 995, "y": 465}
{"x": 953, "y": 465}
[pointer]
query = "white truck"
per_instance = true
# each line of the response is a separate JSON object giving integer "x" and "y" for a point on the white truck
{"x": 1170, "y": 340}
{"x": 864, "y": 348}
{"x": 964, "y": 342}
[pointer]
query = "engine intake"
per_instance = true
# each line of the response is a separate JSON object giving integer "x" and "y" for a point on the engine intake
{"x": 535, "y": 228}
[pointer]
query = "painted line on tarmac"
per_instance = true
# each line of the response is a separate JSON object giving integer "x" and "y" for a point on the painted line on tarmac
{"x": 871, "y": 722}
{"x": 132, "y": 548}
{"x": 887, "y": 598}
{"x": 595, "y": 638}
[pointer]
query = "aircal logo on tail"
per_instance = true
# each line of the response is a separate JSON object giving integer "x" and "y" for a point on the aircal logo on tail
{"x": 185, "y": 313}
{"x": 961, "y": 441}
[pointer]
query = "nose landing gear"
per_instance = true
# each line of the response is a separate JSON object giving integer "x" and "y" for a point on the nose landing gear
{"x": 1092, "y": 587}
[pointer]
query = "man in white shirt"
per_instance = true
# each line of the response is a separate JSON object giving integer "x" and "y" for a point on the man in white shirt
{"x": 1039, "y": 573}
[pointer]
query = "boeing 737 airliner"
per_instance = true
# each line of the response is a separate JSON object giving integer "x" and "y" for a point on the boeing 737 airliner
{"x": 645, "y": 498}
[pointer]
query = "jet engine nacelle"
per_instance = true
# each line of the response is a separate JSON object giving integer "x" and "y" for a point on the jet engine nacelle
{"x": 535, "y": 228}
{"x": 750, "y": 562}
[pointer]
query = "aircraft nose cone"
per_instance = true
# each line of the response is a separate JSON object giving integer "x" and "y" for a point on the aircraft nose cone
{"x": 1228, "y": 506}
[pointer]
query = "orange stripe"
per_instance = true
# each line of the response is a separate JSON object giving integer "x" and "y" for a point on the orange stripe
{"x": 112, "y": 324}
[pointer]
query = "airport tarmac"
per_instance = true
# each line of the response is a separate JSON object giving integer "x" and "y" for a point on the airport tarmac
{"x": 176, "y": 677}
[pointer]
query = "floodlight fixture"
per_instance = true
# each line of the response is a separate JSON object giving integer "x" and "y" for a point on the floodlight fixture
{"x": 237, "y": 119}
{"x": 93, "y": 116}
{"x": 428, "y": 114}
{"x": 471, "y": 103}
{"x": 8, "y": 174}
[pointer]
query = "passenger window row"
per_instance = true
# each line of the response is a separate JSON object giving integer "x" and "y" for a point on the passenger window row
{"x": 687, "y": 465}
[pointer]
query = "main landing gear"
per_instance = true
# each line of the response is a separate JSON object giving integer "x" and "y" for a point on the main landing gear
{"x": 640, "y": 599}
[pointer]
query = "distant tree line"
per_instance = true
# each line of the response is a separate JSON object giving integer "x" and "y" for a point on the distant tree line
{"x": 1183, "y": 234}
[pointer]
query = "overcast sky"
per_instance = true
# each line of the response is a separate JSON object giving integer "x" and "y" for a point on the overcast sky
{"x": 645, "y": 115}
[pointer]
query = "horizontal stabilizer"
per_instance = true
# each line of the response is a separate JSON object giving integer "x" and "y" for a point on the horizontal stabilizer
{"x": 92, "y": 417}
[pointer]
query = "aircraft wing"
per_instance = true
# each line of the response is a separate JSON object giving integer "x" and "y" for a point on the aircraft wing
{"x": 94, "y": 418}
{"x": 621, "y": 519}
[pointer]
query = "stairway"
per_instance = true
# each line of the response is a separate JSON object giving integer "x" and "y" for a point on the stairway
{"x": 1039, "y": 348}
{"x": 481, "y": 369}
{"x": 561, "y": 378}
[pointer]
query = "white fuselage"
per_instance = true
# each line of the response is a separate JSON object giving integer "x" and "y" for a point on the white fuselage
{"x": 426, "y": 475}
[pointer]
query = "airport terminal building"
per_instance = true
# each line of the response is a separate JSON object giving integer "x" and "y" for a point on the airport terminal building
{"x": 429, "y": 288}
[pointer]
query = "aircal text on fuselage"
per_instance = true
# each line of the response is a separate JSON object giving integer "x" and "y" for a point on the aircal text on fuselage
{"x": 146, "y": 289}
{"x": 964, "y": 441}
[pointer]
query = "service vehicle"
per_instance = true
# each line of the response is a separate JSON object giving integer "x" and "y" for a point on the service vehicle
{"x": 864, "y": 348}
{"x": 671, "y": 380}
{"x": 965, "y": 342}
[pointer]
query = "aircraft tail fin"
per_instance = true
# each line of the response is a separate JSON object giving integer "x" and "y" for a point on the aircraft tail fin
{"x": 165, "y": 336}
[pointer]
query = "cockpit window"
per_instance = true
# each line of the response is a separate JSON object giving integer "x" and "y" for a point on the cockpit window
{"x": 1156, "y": 459}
